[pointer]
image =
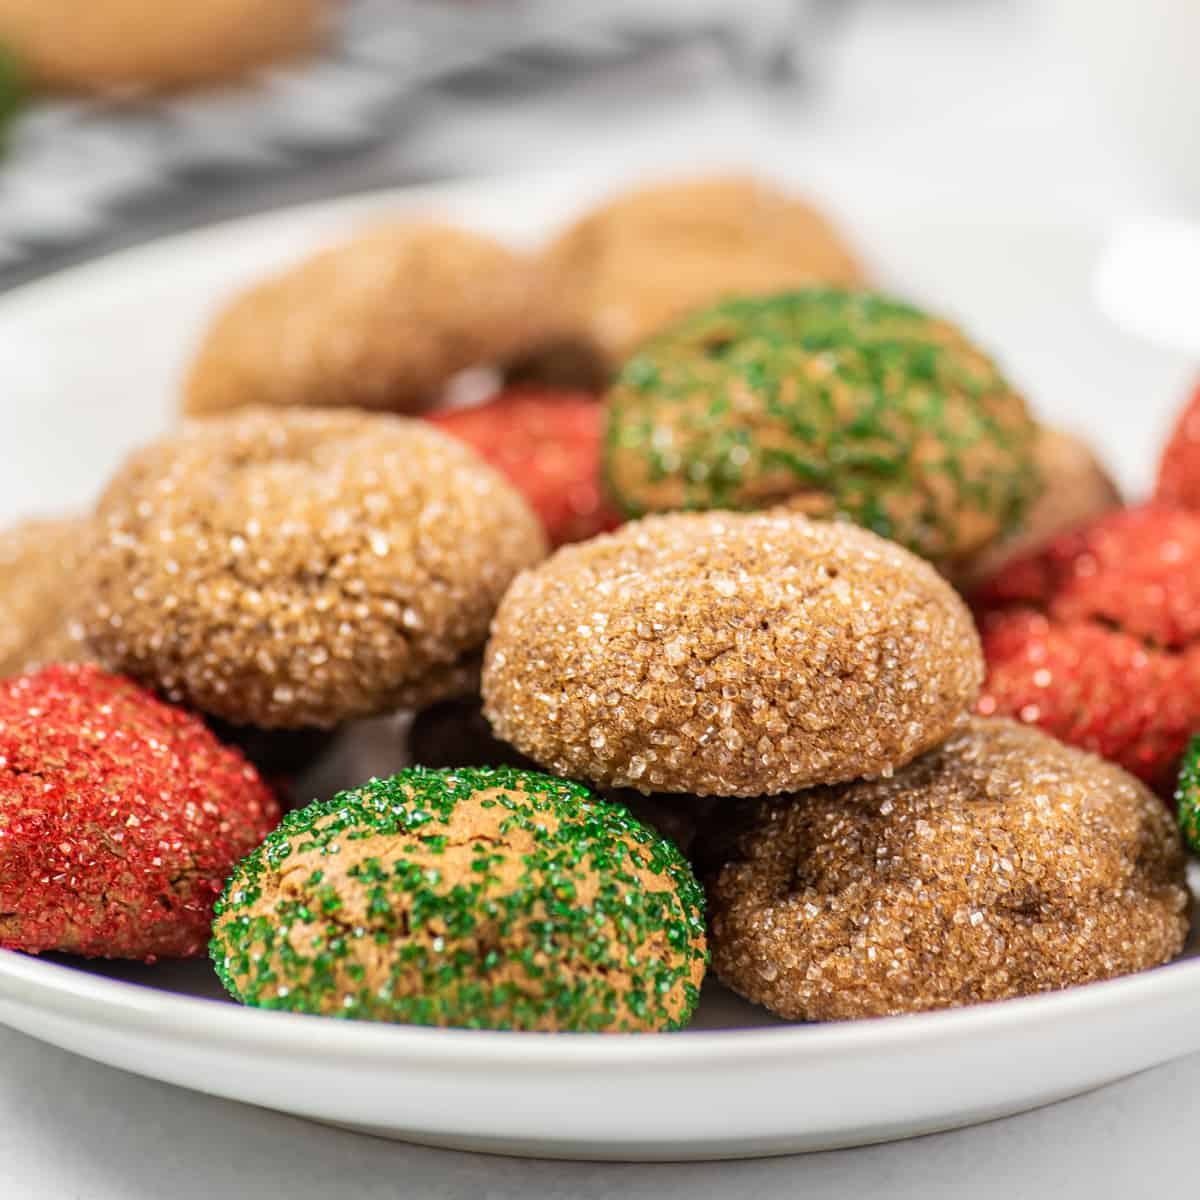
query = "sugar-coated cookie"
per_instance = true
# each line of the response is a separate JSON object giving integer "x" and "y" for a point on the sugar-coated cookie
{"x": 729, "y": 654}
{"x": 285, "y": 569}
{"x": 488, "y": 898}
{"x": 1001, "y": 864}
{"x": 121, "y": 817}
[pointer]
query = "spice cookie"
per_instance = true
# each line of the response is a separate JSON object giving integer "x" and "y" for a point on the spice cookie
{"x": 105, "y": 45}
{"x": 292, "y": 569}
{"x": 380, "y": 322}
{"x": 1001, "y": 864}
{"x": 121, "y": 818}
{"x": 838, "y": 403}
{"x": 642, "y": 260}
{"x": 487, "y": 898}
{"x": 729, "y": 654}
{"x": 40, "y": 560}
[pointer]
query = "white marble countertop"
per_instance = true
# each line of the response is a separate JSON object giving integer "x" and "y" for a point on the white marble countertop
{"x": 951, "y": 107}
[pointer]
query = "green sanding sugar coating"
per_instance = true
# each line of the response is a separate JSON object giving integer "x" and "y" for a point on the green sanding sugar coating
{"x": 1187, "y": 795}
{"x": 489, "y": 898}
{"x": 842, "y": 403}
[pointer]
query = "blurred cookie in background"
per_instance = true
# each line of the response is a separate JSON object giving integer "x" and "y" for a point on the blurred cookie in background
{"x": 382, "y": 321}
{"x": 649, "y": 255}
{"x": 1179, "y": 468}
{"x": 107, "y": 45}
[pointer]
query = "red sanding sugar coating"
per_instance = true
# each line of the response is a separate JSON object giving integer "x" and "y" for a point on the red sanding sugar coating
{"x": 547, "y": 443}
{"x": 1097, "y": 639}
{"x": 1093, "y": 687}
{"x": 1179, "y": 470}
{"x": 1136, "y": 569}
{"x": 120, "y": 818}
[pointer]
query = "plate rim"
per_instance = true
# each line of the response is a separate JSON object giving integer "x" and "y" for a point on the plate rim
{"x": 77, "y": 994}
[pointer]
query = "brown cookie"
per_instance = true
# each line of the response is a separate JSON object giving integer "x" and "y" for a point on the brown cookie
{"x": 294, "y": 568}
{"x": 1001, "y": 864}
{"x": 104, "y": 45}
{"x": 729, "y": 654}
{"x": 648, "y": 256}
{"x": 379, "y": 322}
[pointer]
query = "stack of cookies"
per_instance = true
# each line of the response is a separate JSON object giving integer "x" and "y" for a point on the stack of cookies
{"x": 895, "y": 854}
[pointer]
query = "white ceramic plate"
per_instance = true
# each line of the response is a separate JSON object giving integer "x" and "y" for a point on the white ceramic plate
{"x": 90, "y": 361}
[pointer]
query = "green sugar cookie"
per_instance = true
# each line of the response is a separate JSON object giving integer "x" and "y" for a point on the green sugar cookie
{"x": 840, "y": 403}
{"x": 490, "y": 898}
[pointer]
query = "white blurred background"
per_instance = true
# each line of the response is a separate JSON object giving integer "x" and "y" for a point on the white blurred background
{"x": 1088, "y": 107}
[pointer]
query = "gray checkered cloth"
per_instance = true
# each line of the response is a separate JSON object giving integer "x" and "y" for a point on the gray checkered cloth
{"x": 72, "y": 163}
